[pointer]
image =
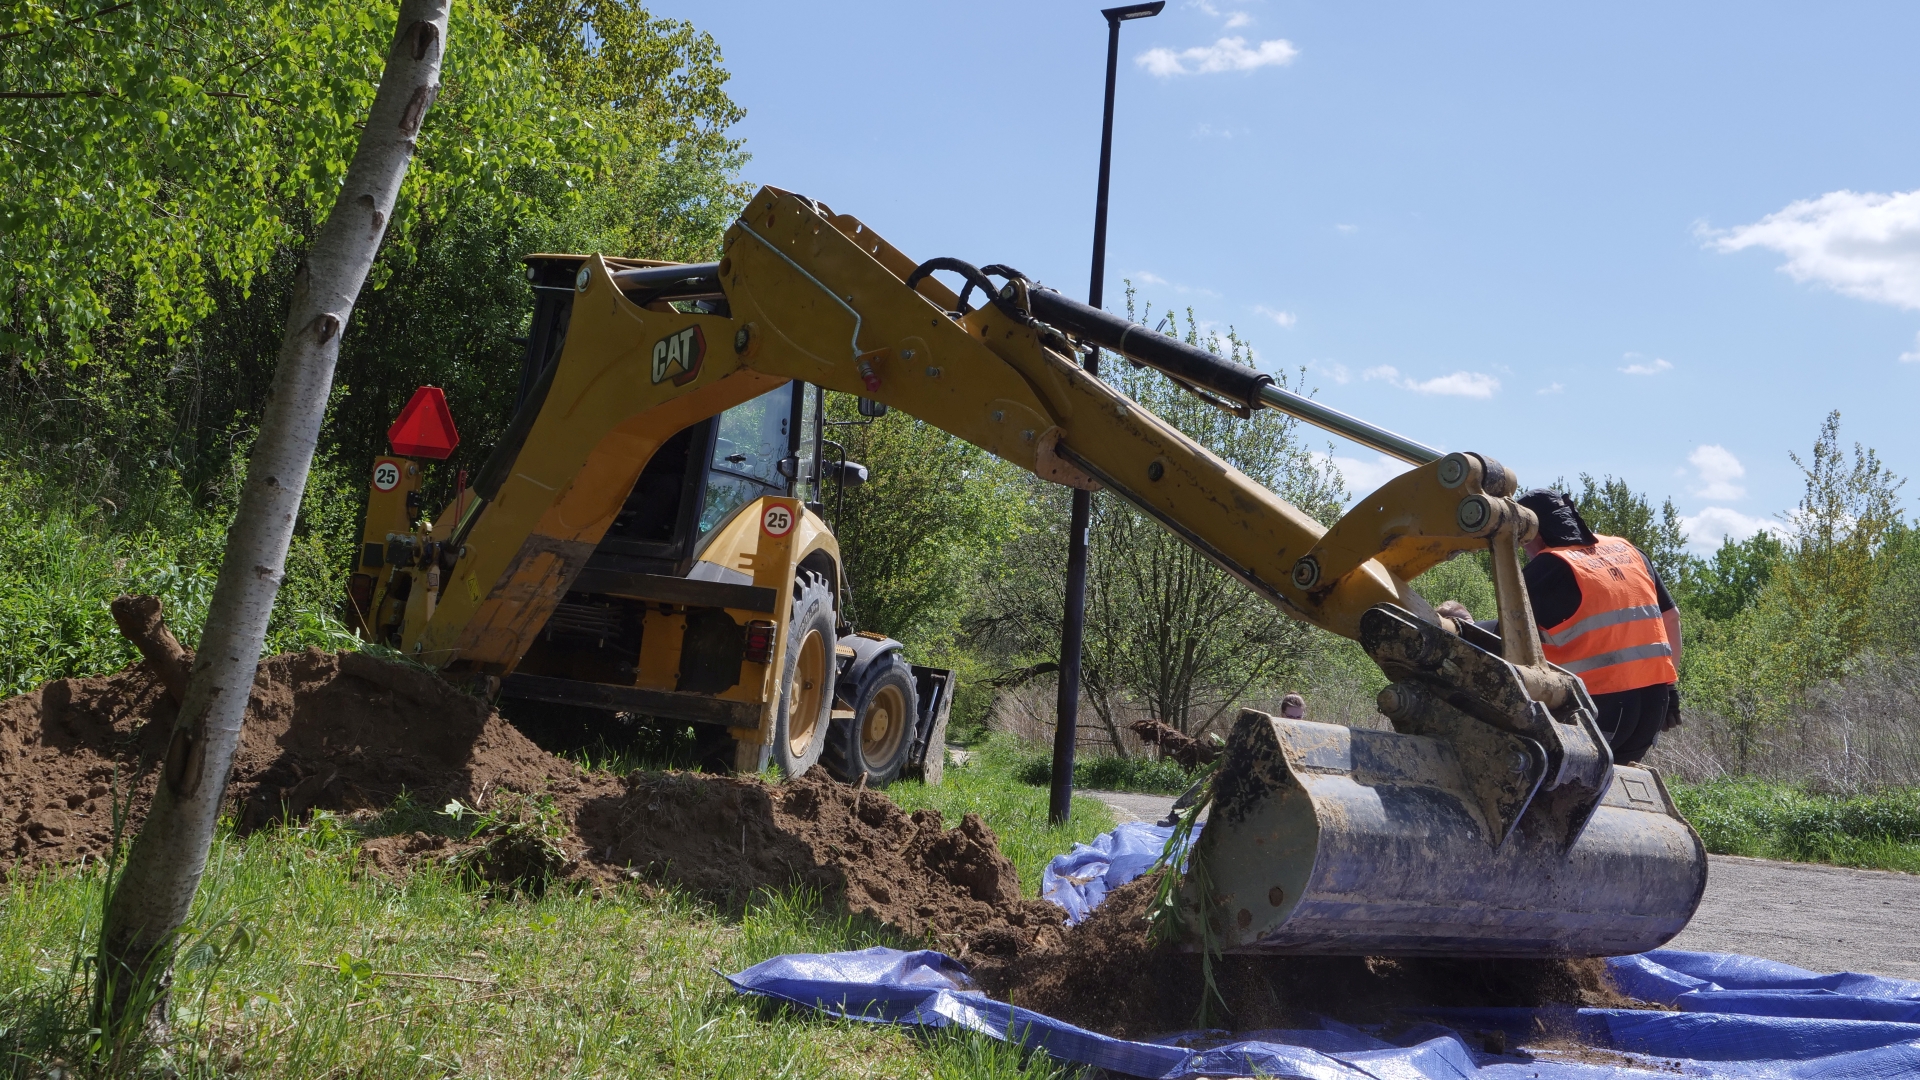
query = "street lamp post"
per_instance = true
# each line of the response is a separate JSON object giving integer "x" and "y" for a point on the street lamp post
{"x": 1073, "y": 626}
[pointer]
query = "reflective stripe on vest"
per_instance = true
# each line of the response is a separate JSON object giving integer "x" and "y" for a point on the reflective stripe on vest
{"x": 1616, "y": 640}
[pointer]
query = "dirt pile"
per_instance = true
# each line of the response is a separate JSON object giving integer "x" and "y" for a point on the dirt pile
{"x": 1103, "y": 975}
{"x": 347, "y": 732}
{"x": 334, "y": 731}
{"x": 729, "y": 836}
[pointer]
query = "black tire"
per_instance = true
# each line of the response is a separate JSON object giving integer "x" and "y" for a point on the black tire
{"x": 804, "y": 717}
{"x": 877, "y": 740}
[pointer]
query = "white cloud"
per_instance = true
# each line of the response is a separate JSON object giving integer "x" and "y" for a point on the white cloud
{"x": 1550, "y": 388}
{"x": 1863, "y": 244}
{"x": 1709, "y": 528}
{"x": 1226, "y": 54}
{"x": 1335, "y": 371}
{"x": 1637, "y": 365}
{"x": 1719, "y": 473}
{"x": 1914, "y": 356}
{"x": 1471, "y": 384}
{"x": 1347, "y": 228}
{"x": 1285, "y": 319}
{"x": 1363, "y": 477}
{"x": 1234, "y": 18}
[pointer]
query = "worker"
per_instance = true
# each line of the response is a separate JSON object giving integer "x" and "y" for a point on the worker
{"x": 1605, "y": 615}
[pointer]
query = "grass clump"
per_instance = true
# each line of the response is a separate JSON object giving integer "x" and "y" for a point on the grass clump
{"x": 1771, "y": 820}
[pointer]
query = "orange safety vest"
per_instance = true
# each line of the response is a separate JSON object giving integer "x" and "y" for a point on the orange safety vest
{"x": 1616, "y": 640}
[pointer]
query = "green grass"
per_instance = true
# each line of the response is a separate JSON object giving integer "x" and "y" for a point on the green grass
{"x": 566, "y": 985}
{"x": 63, "y": 562}
{"x": 1032, "y": 765}
{"x": 1778, "y": 821}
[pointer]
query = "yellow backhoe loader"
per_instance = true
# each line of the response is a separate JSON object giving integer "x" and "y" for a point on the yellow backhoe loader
{"x": 648, "y": 538}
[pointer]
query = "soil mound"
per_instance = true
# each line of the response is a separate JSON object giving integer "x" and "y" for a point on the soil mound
{"x": 728, "y": 836}
{"x": 1103, "y": 975}
{"x": 323, "y": 730}
{"x": 348, "y": 732}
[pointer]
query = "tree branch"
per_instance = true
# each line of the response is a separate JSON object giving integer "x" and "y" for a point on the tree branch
{"x": 75, "y": 21}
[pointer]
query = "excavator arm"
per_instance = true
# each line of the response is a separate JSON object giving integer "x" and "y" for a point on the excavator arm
{"x": 1489, "y": 821}
{"x": 820, "y": 298}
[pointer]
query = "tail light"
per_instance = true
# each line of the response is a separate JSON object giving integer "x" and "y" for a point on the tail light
{"x": 760, "y": 641}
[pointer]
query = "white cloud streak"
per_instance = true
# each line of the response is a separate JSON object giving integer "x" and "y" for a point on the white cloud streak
{"x": 1285, "y": 319}
{"x": 1335, "y": 371}
{"x": 1471, "y": 384}
{"x": 1862, "y": 244}
{"x": 1719, "y": 473}
{"x": 1550, "y": 388}
{"x": 1914, "y": 356}
{"x": 1226, "y": 54}
{"x": 1637, "y": 366}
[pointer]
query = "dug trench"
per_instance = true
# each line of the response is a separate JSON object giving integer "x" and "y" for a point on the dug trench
{"x": 355, "y": 735}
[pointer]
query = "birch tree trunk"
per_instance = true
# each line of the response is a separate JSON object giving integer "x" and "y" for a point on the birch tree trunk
{"x": 153, "y": 894}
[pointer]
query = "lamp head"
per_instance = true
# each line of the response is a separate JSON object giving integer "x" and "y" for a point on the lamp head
{"x": 1133, "y": 11}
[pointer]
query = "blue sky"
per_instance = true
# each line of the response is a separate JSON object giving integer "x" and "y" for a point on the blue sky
{"x": 1654, "y": 241}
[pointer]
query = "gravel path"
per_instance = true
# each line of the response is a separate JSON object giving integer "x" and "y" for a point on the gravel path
{"x": 1824, "y": 918}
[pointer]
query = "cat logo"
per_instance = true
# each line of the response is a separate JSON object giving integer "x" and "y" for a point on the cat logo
{"x": 677, "y": 356}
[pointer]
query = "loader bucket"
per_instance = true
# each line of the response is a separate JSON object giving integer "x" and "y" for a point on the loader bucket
{"x": 1328, "y": 840}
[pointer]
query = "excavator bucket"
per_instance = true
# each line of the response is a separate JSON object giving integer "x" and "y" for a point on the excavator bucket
{"x": 1464, "y": 832}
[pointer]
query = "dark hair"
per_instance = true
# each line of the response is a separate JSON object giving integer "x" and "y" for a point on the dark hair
{"x": 1560, "y": 523}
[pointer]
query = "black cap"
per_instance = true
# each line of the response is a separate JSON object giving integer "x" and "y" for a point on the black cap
{"x": 1560, "y": 524}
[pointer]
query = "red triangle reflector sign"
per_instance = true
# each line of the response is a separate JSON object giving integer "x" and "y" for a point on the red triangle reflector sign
{"x": 425, "y": 428}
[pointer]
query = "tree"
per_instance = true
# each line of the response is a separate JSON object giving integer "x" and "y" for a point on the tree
{"x": 916, "y": 536}
{"x": 1847, "y": 512}
{"x": 1166, "y": 629}
{"x": 1730, "y": 582}
{"x": 154, "y": 893}
{"x": 1814, "y": 614}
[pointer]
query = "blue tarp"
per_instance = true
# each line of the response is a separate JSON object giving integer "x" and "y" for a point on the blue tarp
{"x": 1079, "y": 880}
{"x": 1739, "y": 1016}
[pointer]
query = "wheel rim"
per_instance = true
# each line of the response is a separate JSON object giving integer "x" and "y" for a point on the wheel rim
{"x": 885, "y": 723}
{"x": 809, "y": 681}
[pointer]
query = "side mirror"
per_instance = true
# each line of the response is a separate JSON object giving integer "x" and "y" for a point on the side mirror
{"x": 870, "y": 407}
{"x": 850, "y": 473}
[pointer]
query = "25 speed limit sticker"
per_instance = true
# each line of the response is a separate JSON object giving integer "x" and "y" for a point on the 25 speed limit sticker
{"x": 386, "y": 476}
{"x": 777, "y": 521}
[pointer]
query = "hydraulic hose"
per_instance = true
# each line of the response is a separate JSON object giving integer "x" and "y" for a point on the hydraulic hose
{"x": 1207, "y": 371}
